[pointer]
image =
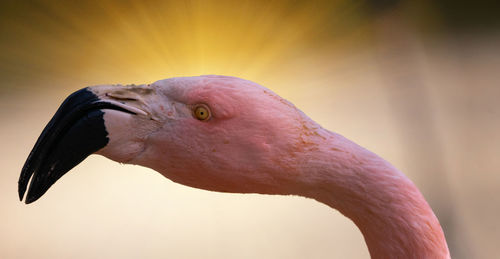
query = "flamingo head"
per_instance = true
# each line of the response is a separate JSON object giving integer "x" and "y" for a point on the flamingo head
{"x": 212, "y": 132}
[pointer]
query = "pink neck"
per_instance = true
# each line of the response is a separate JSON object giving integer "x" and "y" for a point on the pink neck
{"x": 390, "y": 211}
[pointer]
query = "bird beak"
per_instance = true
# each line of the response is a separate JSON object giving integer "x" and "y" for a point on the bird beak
{"x": 75, "y": 131}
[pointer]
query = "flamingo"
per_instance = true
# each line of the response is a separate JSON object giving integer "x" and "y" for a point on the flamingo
{"x": 227, "y": 134}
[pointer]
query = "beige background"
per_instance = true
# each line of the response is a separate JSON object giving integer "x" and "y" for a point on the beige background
{"x": 398, "y": 80}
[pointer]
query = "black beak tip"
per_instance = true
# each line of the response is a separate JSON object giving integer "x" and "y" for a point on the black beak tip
{"x": 20, "y": 193}
{"x": 21, "y": 196}
{"x": 74, "y": 132}
{"x": 29, "y": 199}
{"x": 22, "y": 185}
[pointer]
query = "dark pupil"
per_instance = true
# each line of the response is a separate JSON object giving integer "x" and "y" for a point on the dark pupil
{"x": 201, "y": 113}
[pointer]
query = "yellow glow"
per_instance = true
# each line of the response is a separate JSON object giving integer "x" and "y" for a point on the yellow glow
{"x": 143, "y": 41}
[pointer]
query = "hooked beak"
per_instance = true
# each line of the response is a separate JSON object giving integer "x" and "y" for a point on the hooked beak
{"x": 75, "y": 131}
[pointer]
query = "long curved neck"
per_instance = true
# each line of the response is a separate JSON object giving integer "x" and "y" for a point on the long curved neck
{"x": 390, "y": 211}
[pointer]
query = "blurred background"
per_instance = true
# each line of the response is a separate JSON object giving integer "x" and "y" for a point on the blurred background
{"x": 417, "y": 82}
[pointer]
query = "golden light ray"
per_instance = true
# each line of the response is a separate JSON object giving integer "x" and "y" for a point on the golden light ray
{"x": 142, "y": 41}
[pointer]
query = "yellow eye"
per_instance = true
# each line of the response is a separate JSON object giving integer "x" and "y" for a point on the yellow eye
{"x": 201, "y": 112}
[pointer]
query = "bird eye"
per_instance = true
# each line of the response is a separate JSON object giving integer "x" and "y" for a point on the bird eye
{"x": 201, "y": 112}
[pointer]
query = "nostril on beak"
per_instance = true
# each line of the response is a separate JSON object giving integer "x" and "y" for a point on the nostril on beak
{"x": 119, "y": 96}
